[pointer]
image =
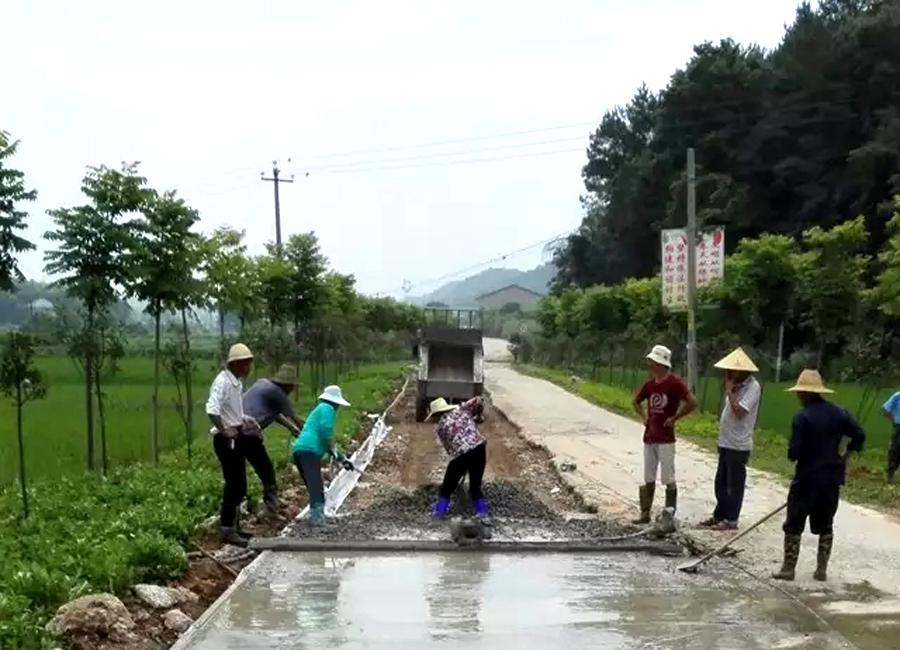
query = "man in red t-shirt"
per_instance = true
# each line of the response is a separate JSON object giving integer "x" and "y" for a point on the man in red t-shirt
{"x": 668, "y": 400}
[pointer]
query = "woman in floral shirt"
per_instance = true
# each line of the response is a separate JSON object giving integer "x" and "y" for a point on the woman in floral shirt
{"x": 467, "y": 448}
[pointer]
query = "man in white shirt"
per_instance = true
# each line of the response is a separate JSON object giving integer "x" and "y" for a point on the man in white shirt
{"x": 742, "y": 394}
{"x": 226, "y": 412}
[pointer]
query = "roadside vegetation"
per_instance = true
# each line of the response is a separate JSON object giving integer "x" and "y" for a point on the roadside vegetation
{"x": 865, "y": 484}
{"x": 106, "y": 469}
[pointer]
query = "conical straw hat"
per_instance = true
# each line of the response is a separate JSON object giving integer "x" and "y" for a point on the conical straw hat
{"x": 737, "y": 360}
{"x": 809, "y": 381}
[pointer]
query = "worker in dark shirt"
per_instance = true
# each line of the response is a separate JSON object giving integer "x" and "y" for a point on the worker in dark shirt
{"x": 816, "y": 436}
{"x": 268, "y": 401}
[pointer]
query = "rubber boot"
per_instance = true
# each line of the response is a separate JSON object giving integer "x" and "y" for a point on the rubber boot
{"x": 645, "y": 495}
{"x": 791, "y": 555}
{"x": 672, "y": 497}
{"x": 317, "y": 515}
{"x": 270, "y": 500}
{"x": 825, "y": 544}
{"x": 229, "y": 535}
{"x": 246, "y": 534}
{"x": 480, "y": 506}
{"x": 441, "y": 507}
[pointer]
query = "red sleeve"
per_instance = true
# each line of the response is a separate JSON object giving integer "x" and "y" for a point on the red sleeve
{"x": 681, "y": 389}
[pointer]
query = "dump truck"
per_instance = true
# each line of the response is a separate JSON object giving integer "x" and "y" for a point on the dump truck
{"x": 450, "y": 357}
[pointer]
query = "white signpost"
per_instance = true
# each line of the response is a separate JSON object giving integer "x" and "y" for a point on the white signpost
{"x": 710, "y": 257}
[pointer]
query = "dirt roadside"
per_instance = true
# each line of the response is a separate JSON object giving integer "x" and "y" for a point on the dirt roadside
{"x": 526, "y": 494}
{"x": 606, "y": 448}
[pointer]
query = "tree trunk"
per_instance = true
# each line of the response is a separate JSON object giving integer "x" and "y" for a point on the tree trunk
{"x": 21, "y": 449}
{"x": 188, "y": 383}
{"x": 88, "y": 389}
{"x": 102, "y": 415}
{"x": 154, "y": 430}
{"x": 222, "y": 349}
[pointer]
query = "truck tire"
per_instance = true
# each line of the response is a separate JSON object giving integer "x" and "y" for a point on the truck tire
{"x": 421, "y": 408}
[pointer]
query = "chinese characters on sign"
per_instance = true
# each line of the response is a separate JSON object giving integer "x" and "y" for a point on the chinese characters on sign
{"x": 710, "y": 263}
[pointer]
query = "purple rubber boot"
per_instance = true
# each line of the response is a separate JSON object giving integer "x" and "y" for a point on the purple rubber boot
{"x": 480, "y": 507}
{"x": 441, "y": 507}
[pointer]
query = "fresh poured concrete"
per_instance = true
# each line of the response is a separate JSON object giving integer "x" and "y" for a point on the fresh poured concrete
{"x": 473, "y": 600}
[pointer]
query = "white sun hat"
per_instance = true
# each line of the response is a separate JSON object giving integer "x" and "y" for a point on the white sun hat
{"x": 333, "y": 394}
{"x": 662, "y": 355}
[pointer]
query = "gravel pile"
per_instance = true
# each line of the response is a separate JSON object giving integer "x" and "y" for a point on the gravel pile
{"x": 516, "y": 515}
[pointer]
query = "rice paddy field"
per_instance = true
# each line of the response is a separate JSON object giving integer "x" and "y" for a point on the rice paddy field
{"x": 54, "y": 428}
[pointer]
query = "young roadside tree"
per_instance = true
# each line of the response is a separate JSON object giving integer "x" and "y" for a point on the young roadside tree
{"x": 227, "y": 270}
{"x": 95, "y": 248}
{"x": 12, "y": 220}
{"x": 164, "y": 263}
{"x": 110, "y": 348}
{"x": 192, "y": 294}
{"x": 831, "y": 272}
{"x": 22, "y": 382}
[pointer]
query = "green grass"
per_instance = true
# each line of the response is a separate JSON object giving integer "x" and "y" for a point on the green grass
{"x": 88, "y": 534}
{"x": 865, "y": 483}
{"x": 54, "y": 428}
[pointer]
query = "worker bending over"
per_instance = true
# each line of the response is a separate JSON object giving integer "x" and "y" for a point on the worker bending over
{"x": 815, "y": 446}
{"x": 467, "y": 448}
{"x": 668, "y": 400}
{"x": 316, "y": 440}
{"x": 268, "y": 400}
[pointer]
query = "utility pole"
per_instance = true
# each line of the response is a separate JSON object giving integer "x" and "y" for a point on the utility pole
{"x": 276, "y": 181}
{"x": 691, "y": 272}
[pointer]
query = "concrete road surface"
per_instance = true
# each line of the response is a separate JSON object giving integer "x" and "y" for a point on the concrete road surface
{"x": 485, "y": 601}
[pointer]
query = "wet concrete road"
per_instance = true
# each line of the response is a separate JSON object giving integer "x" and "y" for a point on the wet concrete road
{"x": 422, "y": 601}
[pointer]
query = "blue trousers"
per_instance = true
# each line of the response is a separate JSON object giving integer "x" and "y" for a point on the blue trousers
{"x": 731, "y": 477}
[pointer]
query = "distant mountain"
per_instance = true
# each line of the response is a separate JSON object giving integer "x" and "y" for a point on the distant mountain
{"x": 462, "y": 293}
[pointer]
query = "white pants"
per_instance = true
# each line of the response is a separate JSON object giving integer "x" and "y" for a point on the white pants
{"x": 662, "y": 457}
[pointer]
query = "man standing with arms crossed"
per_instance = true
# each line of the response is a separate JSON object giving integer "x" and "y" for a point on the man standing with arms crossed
{"x": 668, "y": 400}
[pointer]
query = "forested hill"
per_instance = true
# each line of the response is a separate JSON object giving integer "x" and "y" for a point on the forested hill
{"x": 807, "y": 134}
{"x": 462, "y": 293}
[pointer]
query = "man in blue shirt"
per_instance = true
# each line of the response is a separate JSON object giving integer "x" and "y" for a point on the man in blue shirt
{"x": 816, "y": 436}
{"x": 268, "y": 401}
{"x": 891, "y": 410}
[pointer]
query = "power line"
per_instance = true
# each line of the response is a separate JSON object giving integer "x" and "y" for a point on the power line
{"x": 407, "y": 285}
{"x": 441, "y": 154}
{"x": 453, "y": 141}
{"x": 363, "y": 169}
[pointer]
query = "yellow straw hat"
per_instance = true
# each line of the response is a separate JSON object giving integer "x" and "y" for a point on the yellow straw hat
{"x": 439, "y": 405}
{"x": 737, "y": 360}
{"x": 239, "y": 352}
{"x": 809, "y": 381}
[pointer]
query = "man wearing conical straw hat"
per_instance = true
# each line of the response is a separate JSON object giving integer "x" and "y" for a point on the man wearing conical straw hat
{"x": 736, "y": 424}
{"x": 816, "y": 435}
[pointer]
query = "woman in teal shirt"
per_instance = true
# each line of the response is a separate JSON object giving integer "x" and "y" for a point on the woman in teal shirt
{"x": 315, "y": 441}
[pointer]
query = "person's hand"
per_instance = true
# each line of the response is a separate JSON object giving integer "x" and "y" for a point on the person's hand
{"x": 669, "y": 423}
{"x": 231, "y": 432}
{"x": 347, "y": 465}
{"x": 729, "y": 385}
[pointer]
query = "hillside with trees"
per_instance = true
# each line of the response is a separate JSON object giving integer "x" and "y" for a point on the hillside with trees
{"x": 805, "y": 135}
{"x": 463, "y": 293}
{"x": 798, "y": 157}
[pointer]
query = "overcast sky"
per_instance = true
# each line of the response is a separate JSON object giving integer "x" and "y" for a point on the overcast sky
{"x": 206, "y": 94}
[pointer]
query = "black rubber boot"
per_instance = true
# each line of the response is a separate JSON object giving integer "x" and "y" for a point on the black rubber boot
{"x": 672, "y": 497}
{"x": 231, "y": 536}
{"x": 825, "y": 544}
{"x": 645, "y": 495}
{"x": 791, "y": 555}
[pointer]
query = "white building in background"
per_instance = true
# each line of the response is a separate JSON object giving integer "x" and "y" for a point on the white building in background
{"x": 512, "y": 293}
